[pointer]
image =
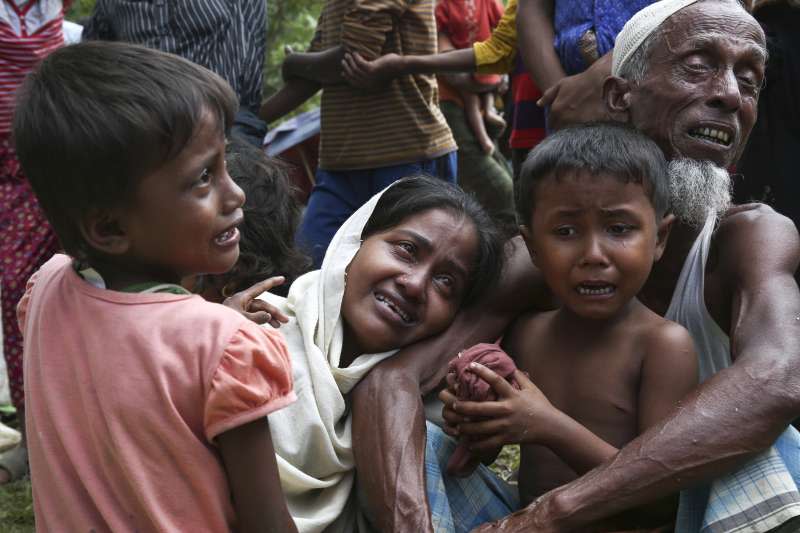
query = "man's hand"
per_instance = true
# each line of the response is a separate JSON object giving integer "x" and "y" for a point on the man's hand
{"x": 517, "y": 416}
{"x": 371, "y": 75}
{"x": 259, "y": 311}
{"x": 579, "y": 98}
{"x": 532, "y": 519}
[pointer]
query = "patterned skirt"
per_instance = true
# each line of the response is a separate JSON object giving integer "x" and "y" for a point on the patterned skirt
{"x": 26, "y": 242}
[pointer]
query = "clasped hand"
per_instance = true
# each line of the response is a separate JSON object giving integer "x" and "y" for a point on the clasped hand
{"x": 516, "y": 416}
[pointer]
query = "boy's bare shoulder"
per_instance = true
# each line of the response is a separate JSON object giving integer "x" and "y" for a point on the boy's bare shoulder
{"x": 668, "y": 351}
{"x": 525, "y": 329}
{"x": 659, "y": 334}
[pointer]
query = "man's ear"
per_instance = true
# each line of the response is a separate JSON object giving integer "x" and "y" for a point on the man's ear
{"x": 103, "y": 230}
{"x": 527, "y": 236}
{"x": 617, "y": 97}
{"x": 662, "y": 236}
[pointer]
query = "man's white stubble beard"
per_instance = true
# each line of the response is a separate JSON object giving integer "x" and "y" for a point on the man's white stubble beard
{"x": 697, "y": 189}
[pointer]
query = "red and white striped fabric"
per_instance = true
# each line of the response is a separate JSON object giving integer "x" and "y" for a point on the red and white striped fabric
{"x": 29, "y": 31}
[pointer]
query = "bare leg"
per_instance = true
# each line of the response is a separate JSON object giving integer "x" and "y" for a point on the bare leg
{"x": 490, "y": 113}
{"x": 472, "y": 108}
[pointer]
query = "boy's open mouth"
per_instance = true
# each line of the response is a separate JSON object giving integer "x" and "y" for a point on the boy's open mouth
{"x": 595, "y": 289}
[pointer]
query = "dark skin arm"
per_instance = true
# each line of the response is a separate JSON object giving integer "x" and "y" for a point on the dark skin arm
{"x": 375, "y": 74}
{"x": 759, "y": 252}
{"x": 252, "y": 471}
{"x": 572, "y": 99}
{"x": 460, "y": 81}
{"x": 324, "y": 67}
{"x": 535, "y": 35}
{"x": 387, "y": 407}
{"x": 288, "y": 98}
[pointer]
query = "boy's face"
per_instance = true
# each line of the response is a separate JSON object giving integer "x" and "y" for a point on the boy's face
{"x": 595, "y": 239}
{"x": 184, "y": 216}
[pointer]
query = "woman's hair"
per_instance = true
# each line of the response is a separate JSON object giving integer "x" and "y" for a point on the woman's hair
{"x": 94, "y": 118}
{"x": 607, "y": 148}
{"x": 418, "y": 194}
{"x": 271, "y": 215}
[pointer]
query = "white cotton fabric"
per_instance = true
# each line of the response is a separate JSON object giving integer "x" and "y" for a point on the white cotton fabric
{"x": 639, "y": 27}
{"x": 762, "y": 494}
{"x": 312, "y": 437}
{"x": 688, "y": 307}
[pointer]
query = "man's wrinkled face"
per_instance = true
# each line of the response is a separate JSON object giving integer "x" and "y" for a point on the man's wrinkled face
{"x": 699, "y": 97}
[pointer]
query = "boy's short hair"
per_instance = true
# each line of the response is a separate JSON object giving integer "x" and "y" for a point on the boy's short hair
{"x": 94, "y": 118}
{"x": 608, "y": 148}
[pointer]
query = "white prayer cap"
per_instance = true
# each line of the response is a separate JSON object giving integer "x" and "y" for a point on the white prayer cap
{"x": 639, "y": 28}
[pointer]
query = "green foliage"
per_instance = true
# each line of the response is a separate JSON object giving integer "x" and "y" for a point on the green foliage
{"x": 290, "y": 23}
{"x": 16, "y": 507}
{"x": 80, "y": 9}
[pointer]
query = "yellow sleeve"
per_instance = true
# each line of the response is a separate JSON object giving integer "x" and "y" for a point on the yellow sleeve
{"x": 496, "y": 54}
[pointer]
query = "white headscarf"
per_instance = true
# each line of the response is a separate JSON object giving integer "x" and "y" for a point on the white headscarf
{"x": 639, "y": 28}
{"x": 313, "y": 437}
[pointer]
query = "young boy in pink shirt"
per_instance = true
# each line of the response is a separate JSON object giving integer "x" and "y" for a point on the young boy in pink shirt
{"x": 146, "y": 404}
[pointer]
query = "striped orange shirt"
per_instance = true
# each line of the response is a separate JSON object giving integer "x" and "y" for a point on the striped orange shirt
{"x": 400, "y": 123}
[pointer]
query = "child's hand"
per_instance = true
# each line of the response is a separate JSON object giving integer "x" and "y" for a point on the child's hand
{"x": 259, "y": 311}
{"x": 370, "y": 75}
{"x": 448, "y": 396}
{"x": 517, "y": 416}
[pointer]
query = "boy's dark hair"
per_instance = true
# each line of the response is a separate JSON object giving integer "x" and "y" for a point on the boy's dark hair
{"x": 417, "y": 194}
{"x": 609, "y": 148}
{"x": 94, "y": 118}
{"x": 271, "y": 215}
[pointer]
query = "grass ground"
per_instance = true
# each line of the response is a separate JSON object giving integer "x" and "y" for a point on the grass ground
{"x": 16, "y": 503}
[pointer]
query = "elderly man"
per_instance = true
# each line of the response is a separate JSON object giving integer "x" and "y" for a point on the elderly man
{"x": 692, "y": 85}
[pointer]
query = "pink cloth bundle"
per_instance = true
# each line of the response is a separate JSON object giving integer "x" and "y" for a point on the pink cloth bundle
{"x": 473, "y": 388}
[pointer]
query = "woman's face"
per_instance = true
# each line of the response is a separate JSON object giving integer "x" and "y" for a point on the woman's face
{"x": 406, "y": 283}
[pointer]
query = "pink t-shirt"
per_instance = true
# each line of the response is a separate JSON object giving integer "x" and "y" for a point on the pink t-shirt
{"x": 125, "y": 393}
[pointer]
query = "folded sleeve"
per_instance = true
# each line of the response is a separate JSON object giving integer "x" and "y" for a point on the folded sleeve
{"x": 253, "y": 379}
{"x": 25, "y": 302}
{"x": 368, "y": 22}
{"x": 496, "y": 54}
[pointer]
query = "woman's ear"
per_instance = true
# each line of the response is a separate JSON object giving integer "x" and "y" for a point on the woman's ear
{"x": 617, "y": 97}
{"x": 103, "y": 231}
{"x": 527, "y": 236}
{"x": 662, "y": 236}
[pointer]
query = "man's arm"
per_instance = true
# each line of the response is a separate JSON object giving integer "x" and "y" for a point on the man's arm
{"x": 388, "y": 417}
{"x": 735, "y": 414}
{"x": 535, "y": 35}
{"x": 572, "y": 99}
